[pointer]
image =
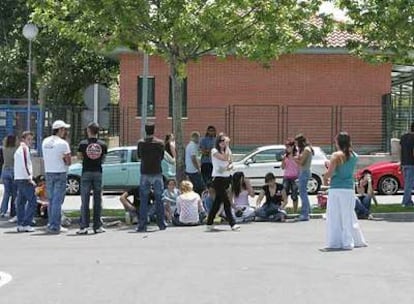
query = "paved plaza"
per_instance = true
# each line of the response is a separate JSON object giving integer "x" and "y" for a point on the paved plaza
{"x": 263, "y": 263}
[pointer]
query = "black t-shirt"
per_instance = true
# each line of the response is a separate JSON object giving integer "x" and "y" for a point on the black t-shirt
{"x": 277, "y": 197}
{"x": 93, "y": 151}
{"x": 407, "y": 149}
{"x": 151, "y": 153}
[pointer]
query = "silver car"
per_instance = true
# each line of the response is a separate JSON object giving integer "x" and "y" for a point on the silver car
{"x": 264, "y": 159}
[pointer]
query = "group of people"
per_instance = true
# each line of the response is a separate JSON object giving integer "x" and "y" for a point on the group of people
{"x": 25, "y": 194}
{"x": 211, "y": 186}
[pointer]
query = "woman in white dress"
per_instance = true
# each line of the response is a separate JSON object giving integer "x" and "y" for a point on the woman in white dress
{"x": 343, "y": 231}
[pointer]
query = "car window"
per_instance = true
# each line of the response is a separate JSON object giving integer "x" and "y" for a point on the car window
{"x": 268, "y": 156}
{"x": 134, "y": 156}
{"x": 116, "y": 157}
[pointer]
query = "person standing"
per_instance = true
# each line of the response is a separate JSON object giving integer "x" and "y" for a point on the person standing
{"x": 304, "y": 160}
{"x": 57, "y": 158}
{"x": 342, "y": 228}
{"x": 207, "y": 143}
{"x": 26, "y": 200}
{"x": 92, "y": 152}
{"x": 151, "y": 152}
{"x": 7, "y": 175}
{"x": 290, "y": 175}
{"x": 192, "y": 165}
{"x": 222, "y": 165}
{"x": 170, "y": 147}
{"x": 407, "y": 165}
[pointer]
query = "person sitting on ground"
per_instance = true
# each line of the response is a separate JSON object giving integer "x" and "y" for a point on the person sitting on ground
{"x": 132, "y": 207}
{"x": 190, "y": 210}
{"x": 365, "y": 194}
{"x": 241, "y": 190}
{"x": 271, "y": 210}
{"x": 169, "y": 198}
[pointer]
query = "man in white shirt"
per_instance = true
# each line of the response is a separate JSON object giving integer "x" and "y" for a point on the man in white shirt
{"x": 57, "y": 158}
{"x": 192, "y": 164}
{"x": 26, "y": 201}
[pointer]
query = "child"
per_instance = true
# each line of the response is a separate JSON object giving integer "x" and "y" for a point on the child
{"x": 190, "y": 210}
{"x": 169, "y": 198}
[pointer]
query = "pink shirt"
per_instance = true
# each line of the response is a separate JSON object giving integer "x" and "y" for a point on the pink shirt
{"x": 291, "y": 168}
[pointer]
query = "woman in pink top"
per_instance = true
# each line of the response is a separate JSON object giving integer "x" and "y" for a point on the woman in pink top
{"x": 241, "y": 190}
{"x": 291, "y": 173}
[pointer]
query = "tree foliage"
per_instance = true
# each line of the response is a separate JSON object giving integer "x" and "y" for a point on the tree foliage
{"x": 386, "y": 27}
{"x": 61, "y": 65}
{"x": 183, "y": 30}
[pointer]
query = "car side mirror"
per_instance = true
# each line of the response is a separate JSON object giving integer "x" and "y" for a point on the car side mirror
{"x": 248, "y": 161}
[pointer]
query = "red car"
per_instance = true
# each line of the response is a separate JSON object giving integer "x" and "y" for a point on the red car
{"x": 387, "y": 177}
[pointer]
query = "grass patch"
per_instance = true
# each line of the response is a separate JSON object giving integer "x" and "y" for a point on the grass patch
{"x": 383, "y": 208}
{"x": 105, "y": 212}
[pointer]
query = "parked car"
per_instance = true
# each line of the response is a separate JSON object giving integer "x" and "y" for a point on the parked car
{"x": 120, "y": 170}
{"x": 262, "y": 160}
{"x": 387, "y": 177}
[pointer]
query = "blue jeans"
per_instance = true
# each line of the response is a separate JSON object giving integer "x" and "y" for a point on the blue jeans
{"x": 26, "y": 202}
{"x": 156, "y": 182}
{"x": 91, "y": 181}
{"x": 56, "y": 191}
{"x": 303, "y": 193}
{"x": 408, "y": 172}
{"x": 10, "y": 192}
{"x": 268, "y": 211}
{"x": 362, "y": 206}
{"x": 197, "y": 180}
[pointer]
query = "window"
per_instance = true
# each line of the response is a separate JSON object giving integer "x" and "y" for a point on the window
{"x": 268, "y": 156}
{"x": 134, "y": 155}
{"x": 116, "y": 157}
{"x": 151, "y": 96}
{"x": 184, "y": 104}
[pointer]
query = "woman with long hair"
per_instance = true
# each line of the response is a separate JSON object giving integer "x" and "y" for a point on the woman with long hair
{"x": 290, "y": 174}
{"x": 222, "y": 164}
{"x": 170, "y": 145}
{"x": 304, "y": 160}
{"x": 241, "y": 190}
{"x": 343, "y": 231}
{"x": 10, "y": 145}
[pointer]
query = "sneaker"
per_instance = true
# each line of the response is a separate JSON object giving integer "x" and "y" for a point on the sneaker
{"x": 13, "y": 219}
{"x": 302, "y": 218}
{"x": 82, "y": 231}
{"x": 2, "y": 214}
{"x": 99, "y": 230}
{"x": 210, "y": 228}
{"x": 235, "y": 228}
{"x": 25, "y": 229}
{"x": 63, "y": 229}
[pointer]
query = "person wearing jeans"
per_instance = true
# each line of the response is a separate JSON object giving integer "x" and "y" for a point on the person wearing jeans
{"x": 57, "y": 158}
{"x": 26, "y": 201}
{"x": 407, "y": 165}
{"x": 304, "y": 160}
{"x": 92, "y": 152}
{"x": 10, "y": 146}
{"x": 151, "y": 152}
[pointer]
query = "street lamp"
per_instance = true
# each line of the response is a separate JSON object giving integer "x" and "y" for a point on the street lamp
{"x": 30, "y": 31}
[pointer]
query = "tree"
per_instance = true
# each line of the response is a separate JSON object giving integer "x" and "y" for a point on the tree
{"x": 386, "y": 27}
{"x": 183, "y": 30}
{"x": 61, "y": 65}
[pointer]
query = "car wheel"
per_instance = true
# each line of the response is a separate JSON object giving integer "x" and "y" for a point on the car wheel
{"x": 388, "y": 185}
{"x": 314, "y": 184}
{"x": 73, "y": 185}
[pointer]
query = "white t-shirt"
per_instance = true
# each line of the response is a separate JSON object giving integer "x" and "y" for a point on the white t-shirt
{"x": 219, "y": 166}
{"x": 22, "y": 163}
{"x": 187, "y": 207}
{"x": 54, "y": 148}
{"x": 190, "y": 150}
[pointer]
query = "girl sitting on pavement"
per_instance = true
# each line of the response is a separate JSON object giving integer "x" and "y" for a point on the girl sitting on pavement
{"x": 190, "y": 210}
{"x": 169, "y": 198}
{"x": 241, "y": 190}
{"x": 271, "y": 210}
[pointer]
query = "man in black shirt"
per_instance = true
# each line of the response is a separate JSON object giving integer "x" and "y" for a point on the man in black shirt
{"x": 92, "y": 152}
{"x": 407, "y": 164}
{"x": 151, "y": 153}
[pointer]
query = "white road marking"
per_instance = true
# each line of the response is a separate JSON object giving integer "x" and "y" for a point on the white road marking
{"x": 4, "y": 278}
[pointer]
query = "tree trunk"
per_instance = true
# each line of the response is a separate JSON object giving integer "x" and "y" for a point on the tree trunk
{"x": 177, "y": 88}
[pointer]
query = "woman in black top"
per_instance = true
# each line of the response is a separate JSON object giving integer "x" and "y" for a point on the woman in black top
{"x": 271, "y": 209}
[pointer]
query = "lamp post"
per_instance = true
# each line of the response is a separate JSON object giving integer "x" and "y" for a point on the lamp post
{"x": 30, "y": 31}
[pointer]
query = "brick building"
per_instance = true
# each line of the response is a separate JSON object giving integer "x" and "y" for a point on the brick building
{"x": 317, "y": 91}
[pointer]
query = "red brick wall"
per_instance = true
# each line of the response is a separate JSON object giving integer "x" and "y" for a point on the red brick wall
{"x": 267, "y": 104}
